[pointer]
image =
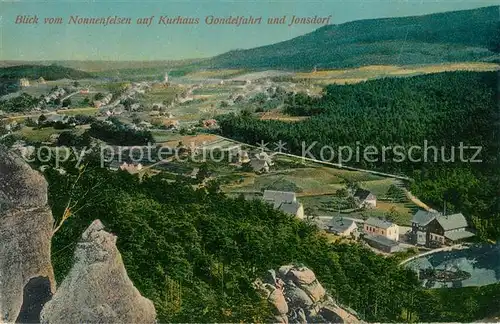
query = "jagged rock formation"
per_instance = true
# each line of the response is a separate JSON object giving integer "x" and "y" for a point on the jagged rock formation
{"x": 97, "y": 288}
{"x": 26, "y": 275}
{"x": 296, "y": 296}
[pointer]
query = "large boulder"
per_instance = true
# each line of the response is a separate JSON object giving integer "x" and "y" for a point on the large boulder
{"x": 301, "y": 275}
{"x": 305, "y": 299}
{"x": 97, "y": 288}
{"x": 314, "y": 290}
{"x": 296, "y": 297}
{"x": 277, "y": 299}
{"x": 26, "y": 274}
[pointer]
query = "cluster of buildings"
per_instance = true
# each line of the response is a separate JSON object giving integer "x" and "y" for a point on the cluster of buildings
{"x": 104, "y": 101}
{"x": 257, "y": 160}
{"x": 124, "y": 166}
{"x": 56, "y": 93}
{"x": 112, "y": 107}
{"x": 429, "y": 229}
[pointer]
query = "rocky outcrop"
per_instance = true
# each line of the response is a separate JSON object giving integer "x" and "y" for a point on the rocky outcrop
{"x": 296, "y": 296}
{"x": 97, "y": 288}
{"x": 26, "y": 275}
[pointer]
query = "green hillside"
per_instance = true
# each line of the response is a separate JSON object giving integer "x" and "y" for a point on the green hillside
{"x": 468, "y": 35}
{"x": 442, "y": 110}
{"x": 48, "y": 72}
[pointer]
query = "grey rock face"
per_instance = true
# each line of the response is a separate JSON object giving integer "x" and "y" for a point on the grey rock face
{"x": 97, "y": 288}
{"x": 25, "y": 234}
{"x": 20, "y": 186}
{"x": 296, "y": 297}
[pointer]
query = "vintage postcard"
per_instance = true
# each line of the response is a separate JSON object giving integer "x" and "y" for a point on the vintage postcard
{"x": 285, "y": 161}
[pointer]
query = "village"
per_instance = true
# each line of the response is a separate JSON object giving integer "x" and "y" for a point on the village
{"x": 354, "y": 205}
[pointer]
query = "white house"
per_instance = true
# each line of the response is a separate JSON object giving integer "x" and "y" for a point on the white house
{"x": 365, "y": 199}
{"x": 284, "y": 201}
{"x": 377, "y": 226}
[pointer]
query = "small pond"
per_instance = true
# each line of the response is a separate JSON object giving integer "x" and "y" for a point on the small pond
{"x": 477, "y": 265}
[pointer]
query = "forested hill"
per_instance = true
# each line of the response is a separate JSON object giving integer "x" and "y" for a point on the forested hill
{"x": 467, "y": 35}
{"x": 442, "y": 110}
{"x": 48, "y": 72}
{"x": 196, "y": 253}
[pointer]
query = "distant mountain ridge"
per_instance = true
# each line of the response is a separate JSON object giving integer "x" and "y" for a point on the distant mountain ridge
{"x": 455, "y": 36}
{"x": 467, "y": 35}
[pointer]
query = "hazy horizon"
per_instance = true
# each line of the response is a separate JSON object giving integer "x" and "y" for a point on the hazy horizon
{"x": 137, "y": 43}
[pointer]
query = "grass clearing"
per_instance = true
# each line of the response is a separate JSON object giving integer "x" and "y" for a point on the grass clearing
{"x": 159, "y": 94}
{"x": 356, "y": 75}
{"x": 41, "y": 135}
{"x": 162, "y": 136}
{"x": 275, "y": 115}
{"x": 190, "y": 140}
{"x": 216, "y": 74}
{"x": 90, "y": 111}
{"x": 305, "y": 181}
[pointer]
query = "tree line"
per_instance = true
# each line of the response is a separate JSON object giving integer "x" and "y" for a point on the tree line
{"x": 115, "y": 132}
{"x": 195, "y": 252}
{"x": 443, "y": 110}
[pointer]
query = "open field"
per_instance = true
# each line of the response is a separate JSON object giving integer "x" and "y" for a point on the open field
{"x": 161, "y": 94}
{"x": 262, "y": 75}
{"x": 215, "y": 74}
{"x": 307, "y": 181}
{"x": 191, "y": 140}
{"x": 78, "y": 111}
{"x": 316, "y": 185}
{"x": 327, "y": 205}
{"x": 162, "y": 136}
{"x": 275, "y": 115}
{"x": 348, "y": 76}
{"x": 41, "y": 135}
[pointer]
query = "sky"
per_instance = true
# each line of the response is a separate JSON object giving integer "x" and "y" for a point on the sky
{"x": 172, "y": 42}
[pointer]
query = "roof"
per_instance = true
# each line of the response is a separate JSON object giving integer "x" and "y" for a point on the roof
{"x": 379, "y": 223}
{"x": 458, "y": 235}
{"x": 381, "y": 240}
{"x": 423, "y": 217}
{"x": 363, "y": 194}
{"x": 340, "y": 224}
{"x": 258, "y": 165}
{"x": 279, "y": 196}
{"x": 263, "y": 156}
{"x": 290, "y": 208}
{"x": 454, "y": 221}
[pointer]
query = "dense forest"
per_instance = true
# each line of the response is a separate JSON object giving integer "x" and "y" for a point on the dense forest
{"x": 19, "y": 104}
{"x": 196, "y": 252}
{"x": 456, "y": 36}
{"x": 48, "y": 72}
{"x": 115, "y": 132}
{"x": 441, "y": 110}
{"x": 9, "y": 76}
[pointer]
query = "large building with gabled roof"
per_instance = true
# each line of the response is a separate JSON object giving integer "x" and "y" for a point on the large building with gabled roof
{"x": 433, "y": 228}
